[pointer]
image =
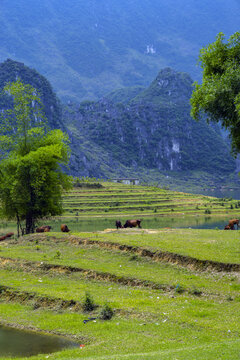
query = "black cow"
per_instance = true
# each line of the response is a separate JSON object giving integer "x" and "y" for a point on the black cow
{"x": 118, "y": 224}
{"x": 132, "y": 223}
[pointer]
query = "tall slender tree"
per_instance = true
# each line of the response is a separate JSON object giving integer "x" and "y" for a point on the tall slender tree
{"x": 31, "y": 178}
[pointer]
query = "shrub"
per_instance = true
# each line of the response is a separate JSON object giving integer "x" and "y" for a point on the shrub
{"x": 88, "y": 304}
{"x": 196, "y": 292}
{"x": 133, "y": 258}
{"x": 207, "y": 211}
{"x": 106, "y": 313}
{"x": 57, "y": 255}
{"x": 179, "y": 289}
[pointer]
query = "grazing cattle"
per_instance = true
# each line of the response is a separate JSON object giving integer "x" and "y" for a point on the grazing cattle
{"x": 132, "y": 223}
{"x": 64, "y": 228}
{"x": 227, "y": 227}
{"x": 47, "y": 228}
{"x": 44, "y": 228}
{"x": 40, "y": 229}
{"x": 233, "y": 222}
{"x": 8, "y": 235}
{"x": 119, "y": 224}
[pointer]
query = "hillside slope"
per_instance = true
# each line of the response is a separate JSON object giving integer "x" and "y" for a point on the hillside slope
{"x": 154, "y": 130}
{"x": 89, "y": 48}
{"x": 150, "y": 136}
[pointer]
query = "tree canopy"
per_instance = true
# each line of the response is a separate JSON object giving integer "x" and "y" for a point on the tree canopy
{"x": 31, "y": 179}
{"x": 219, "y": 94}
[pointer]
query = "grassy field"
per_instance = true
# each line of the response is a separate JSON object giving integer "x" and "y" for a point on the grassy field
{"x": 174, "y": 293}
{"x": 161, "y": 309}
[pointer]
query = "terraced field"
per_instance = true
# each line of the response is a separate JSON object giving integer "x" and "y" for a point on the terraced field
{"x": 116, "y": 198}
{"x": 171, "y": 298}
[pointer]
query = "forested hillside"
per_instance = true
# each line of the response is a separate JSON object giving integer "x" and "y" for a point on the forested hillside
{"x": 154, "y": 130}
{"x": 89, "y": 48}
{"x": 12, "y": 70}
{"x": 150, "y": 135}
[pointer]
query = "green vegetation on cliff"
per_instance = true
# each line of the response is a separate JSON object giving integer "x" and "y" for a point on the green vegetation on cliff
{"x": 154, "y": 130}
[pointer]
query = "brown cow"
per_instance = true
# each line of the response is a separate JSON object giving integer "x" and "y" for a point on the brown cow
{"x": 44, "y": 228}
{"x": 8, "y": 235}
{"x": 64, "y": 228}
{"x": 132, "y": 223}
{"x": 227, "y": 227}
{"x": 119, "y": 224}
{"x": 233, "y": 222}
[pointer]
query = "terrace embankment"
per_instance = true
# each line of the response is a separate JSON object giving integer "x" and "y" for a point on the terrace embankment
{"x": 173, "y": 258}
{"x": 87, "y": 273}
{"x": 24, "y": 297}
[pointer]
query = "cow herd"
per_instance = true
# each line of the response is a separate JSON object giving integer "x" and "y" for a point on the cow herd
{"x": 64, "y": 227}
{"x": 47, "y": 228}
{"x": 128, "y": 223}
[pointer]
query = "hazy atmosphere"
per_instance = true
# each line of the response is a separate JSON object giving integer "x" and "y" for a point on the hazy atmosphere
{"x": 89, "y": 48}
{"x": 119, "y": 180}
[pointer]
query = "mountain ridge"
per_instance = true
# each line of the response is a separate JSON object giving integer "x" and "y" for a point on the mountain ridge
{"x": 150, "y": 136}
{"x": 88, "y": 49}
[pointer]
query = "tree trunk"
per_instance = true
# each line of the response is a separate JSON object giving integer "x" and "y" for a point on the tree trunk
{"x": 29, "y": 224}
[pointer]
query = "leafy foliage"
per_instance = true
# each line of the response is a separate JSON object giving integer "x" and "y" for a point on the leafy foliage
{"x": 88, "y": 304}
{"x": 31, "y": 181}
{"x": 219, "y": 94}
{"x": 106, "y": 312}
{"x": 11, "y": 70}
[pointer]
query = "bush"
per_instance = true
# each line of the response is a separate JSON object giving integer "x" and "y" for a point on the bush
{"x": 207, "y": 211}
{"x": 179, "y": 289}
{"x": 106, "y": 313}
{"x": 57, "y": 255}
{"x": 88, "y": 304}
{"x": 133, "y": 258}
{"x": 196, "y": 292}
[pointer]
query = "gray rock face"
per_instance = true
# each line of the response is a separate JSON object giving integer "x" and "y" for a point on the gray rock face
{"x": 154, "y": 130}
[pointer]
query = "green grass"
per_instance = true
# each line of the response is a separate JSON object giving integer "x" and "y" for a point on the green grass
{"x": 148, "y": 323}
{"x": 121, "y": 264}
{"x": 216, "y": 245}
{"x": 195, "y": 314}
{"x": 128, "y": 338}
